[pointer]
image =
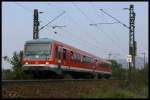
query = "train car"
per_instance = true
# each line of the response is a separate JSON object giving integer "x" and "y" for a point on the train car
{"x": 48, "y": 58}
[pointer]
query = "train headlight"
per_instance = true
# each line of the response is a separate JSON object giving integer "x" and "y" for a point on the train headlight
{"x": 26, "y": 63}
{"x": 47, "y": 63}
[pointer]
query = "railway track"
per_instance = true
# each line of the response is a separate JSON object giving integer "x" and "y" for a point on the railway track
{"x": 51, "y": 88}
{"x": 7, "y": 82}
{"x": 55, "y": 80}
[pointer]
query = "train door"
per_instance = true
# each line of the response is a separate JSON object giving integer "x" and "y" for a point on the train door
{"x": 68, "y": 58}
{"x": 95, "y": 68}
{"x": 64, "y": 58}
{"x": 59, "y": 56}
{"x": 94, "y": 65}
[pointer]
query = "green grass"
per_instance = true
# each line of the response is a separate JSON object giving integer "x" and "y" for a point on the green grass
{"x": 134, "y": 85}
{"x": 106, "y": 90}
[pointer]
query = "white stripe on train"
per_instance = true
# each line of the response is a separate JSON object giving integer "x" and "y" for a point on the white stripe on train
{"x": 64, "y": 67}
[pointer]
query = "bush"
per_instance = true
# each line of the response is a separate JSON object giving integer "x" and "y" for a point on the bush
{"x": 16, "y": 73}
{"x": 13, "y": 75}
{"x": 118, "y": 71}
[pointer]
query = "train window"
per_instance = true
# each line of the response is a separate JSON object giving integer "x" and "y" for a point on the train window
{"x": 64, "y": 54}
{"x": 102, "y": 64}
{"x": 95, "y": 60}
{"x": 43, "y": 50}
{"x": 59, "y": 53}
{"x": 87, "y": 59}
{"x": 71, "y": 55}
{"x": 91, "y": 60}
{"x": 84, "y": 58}
{"x": 106, "y": 65}
{"x": 74, "y": 55}
{"x": 56, "y": 51}
{"x": 99, "y": 64}
{"x": 79, "y": 57}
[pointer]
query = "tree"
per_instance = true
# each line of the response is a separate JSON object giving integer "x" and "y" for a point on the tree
{"x": 117, "y": 70}
{"x": 16, "y": 61}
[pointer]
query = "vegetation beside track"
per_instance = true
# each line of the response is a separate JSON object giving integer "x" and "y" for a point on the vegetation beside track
{"x": 16, "y": 72}
{"x": 133, "y": 85}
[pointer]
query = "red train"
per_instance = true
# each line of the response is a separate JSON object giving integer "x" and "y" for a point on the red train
{"x": 49, "y": 58}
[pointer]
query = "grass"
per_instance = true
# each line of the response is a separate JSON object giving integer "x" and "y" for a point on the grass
{"x": 134, "y": 85}
{"x": 107, "y": 90}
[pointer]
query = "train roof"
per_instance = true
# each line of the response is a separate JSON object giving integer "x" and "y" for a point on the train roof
{"x": 41, "y": 40}
{"x": 48, "y": 40}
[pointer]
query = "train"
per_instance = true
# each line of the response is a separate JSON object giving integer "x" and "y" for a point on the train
{"x": 49, "y": 58}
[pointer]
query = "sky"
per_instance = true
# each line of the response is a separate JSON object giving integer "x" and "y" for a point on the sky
{"x": 100, "y": 40}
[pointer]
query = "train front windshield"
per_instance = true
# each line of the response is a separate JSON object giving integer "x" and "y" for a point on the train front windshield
{"x": 38, "y": 51}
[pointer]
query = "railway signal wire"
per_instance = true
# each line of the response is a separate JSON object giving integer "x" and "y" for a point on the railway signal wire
{"x": 91, "y": 21}
{"x": 114, "y": 33}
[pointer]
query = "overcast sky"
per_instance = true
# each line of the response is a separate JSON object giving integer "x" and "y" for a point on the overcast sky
{"x": 17, "y": 26}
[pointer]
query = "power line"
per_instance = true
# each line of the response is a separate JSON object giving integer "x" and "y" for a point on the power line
{"x": 113, "y": 32}
{"x": 52, "y": 20}
{"x": 107, "y": 23}
{"x": 27, "y": 9}
{"x": 92, "y": 21}
{"x": 89, "y": 35}
{"x": 82, "y": 12}
{"x": 104, "y": 23}
{"x": 114, "y": 18}
{"x": 113, "y": 40}
{"x": 84, "y": 16}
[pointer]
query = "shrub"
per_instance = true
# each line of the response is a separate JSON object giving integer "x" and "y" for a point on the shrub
{"x": 16, "y": 72}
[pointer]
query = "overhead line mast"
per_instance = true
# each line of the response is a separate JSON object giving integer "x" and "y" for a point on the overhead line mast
{"x": 36, "y": 24}
{"x": 132, "y": 42}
